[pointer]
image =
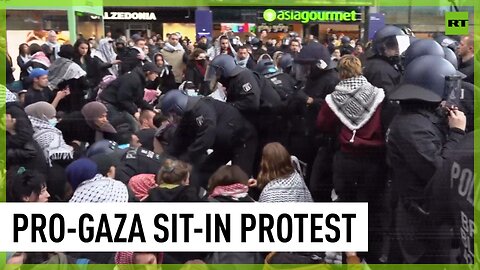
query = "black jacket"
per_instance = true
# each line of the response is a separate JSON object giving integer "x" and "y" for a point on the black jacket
{"x": 21, "y": 148}
{"x": 380, "y": 73}
{"x": 96, "y": 69}
{"x": 164, "y": 82}
{"x": 74, "y": 127}
{"x": 318, "y": 86}
{"x": 138, "y": 161}
{"x": 207, "y": 124}
{"x": 243, "y": 92}
{"x": 418, "y": 144}
{"x": 467, "y": 68}
{"x": 129, "y": 59}
{"x": 23, "y": 69}
{"x": 177, "y": 194}
{"x": 463, "y": 98}
{"x": 193, "y": 74}
{"x": 126, "y": 92}
{"x": 419, "y": 141}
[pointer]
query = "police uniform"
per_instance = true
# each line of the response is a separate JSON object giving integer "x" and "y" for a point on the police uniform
{"x": 138, "y": 161}
{"x": 211, "y": 124}
{"x": 418, "y": 142}
{"x": 380, "y": 73}
{"x": 243, "y": 92}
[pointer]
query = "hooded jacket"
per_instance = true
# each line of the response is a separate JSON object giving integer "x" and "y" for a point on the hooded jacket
{"x": 126, "y": 93}
{"x": 354, "y": 107}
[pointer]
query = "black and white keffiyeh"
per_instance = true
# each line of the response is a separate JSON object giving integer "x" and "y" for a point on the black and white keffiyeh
{"x": 354, "y": 101}
{"x": 63, "y": 70}
{"x": 289, "y": 189}
{"x": 100, "y": 189}
{"x": 50, "y": 139}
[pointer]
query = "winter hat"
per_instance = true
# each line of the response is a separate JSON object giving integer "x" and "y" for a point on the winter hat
{"x": 145, "y": 137}
{"x": 151, "y": 67}
{"x": 80, "y": 170}
{"x": 94, "y": 110}
{"x": 37, "y": 72}
{"x": 136, "y": 37}
{"x": 141, "y": 184}
{"x": 41, "y": 110}
{"x": 104, "y": 162}
{"x": 66, "y": 51}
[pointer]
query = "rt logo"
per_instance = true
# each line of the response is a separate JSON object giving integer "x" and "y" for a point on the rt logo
{"x": 456, "y": 23}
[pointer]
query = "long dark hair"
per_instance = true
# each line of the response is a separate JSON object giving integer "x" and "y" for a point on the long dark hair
{"x": 20, "y": 48}
{"x": 77, "y": 44}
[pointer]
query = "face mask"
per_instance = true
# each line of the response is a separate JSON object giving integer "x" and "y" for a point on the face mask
{"x": 53, "y": 122}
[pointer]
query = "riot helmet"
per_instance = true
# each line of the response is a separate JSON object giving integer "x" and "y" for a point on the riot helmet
{"x": 102, "y": 147}
{"x": 174, "y": 102}
{"x": 422, "y": 47}
{"x": 220, "y": 69}
{"x": 390, "y": 41}
{"x": 313, "y": 57}
{"x": 428, "y": 78}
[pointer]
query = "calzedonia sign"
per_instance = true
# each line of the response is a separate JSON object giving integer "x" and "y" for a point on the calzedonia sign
{"x": 305, "y": 16}
{"x": 126, "y": 16}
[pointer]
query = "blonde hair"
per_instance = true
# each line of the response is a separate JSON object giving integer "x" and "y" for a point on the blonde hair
{"x": 173, "y": 172}
{"x": 349, "y": 66}
{"x": 276, "y": 163}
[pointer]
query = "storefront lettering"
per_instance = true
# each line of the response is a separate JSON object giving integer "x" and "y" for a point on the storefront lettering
{"x": 144, "y": 16}
{"x": 271, "y": 15}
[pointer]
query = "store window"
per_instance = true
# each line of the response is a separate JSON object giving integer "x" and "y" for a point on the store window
{"x": 89, "y": 25}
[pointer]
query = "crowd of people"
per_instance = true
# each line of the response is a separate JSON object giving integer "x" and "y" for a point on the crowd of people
{"x": 255, "y": 120}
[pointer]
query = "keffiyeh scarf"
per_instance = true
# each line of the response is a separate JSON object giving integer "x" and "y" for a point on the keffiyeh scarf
{"x": 354, "y": 101}
{"x": 100, "y": 189}
{"x": 63, "y": 70}
{"x": 234, "y": 191}
{"x": 170, "y": 48}
{"x": 50, "y": 140}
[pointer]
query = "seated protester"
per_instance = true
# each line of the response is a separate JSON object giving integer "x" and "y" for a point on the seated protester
{"x": 79, "y": 171}
{"x": 141, "y": 184}
{"x": 166, "y": 79}
{"x": 22, "y": 149}
{"x": 25, "y": 185}
{"x": 173, "y": 184}
{"x": 146, "y": 119}
{"x": 278, "y": 177}
{"x": 100, "y": 189}
{"x": 48, "y": 137}
{"x": 229, "y": 184}
{"x": 124, "y": 260}
{"x": 39, "y": 90}
{"x": 88, "y": 126}
{"x": 124, "y": 96}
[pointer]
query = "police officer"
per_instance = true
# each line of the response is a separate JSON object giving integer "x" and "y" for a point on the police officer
{"x": 419, "y": 139}
{"x": 462, "y": 97}
{"x": 284, "y": 85}
{"x": 454, "y": 197}
{"x": 382, "y": 69}
{"x": 203, "y": 124}
{"x": 243, "y": 91}
{"x": 318, "y": 79}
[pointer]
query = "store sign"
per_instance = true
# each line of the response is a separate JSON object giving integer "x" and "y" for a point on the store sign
{"x": 278, "y": 28}
{"x": 306, "y": 16}
{"x": 140, "y": 16}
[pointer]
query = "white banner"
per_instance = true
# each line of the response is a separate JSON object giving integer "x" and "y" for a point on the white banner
{"x": 229, "y": 227}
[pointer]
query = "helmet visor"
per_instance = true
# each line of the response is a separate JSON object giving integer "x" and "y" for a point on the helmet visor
{"x": 302, "y": 71}
{"x": 211, "y": 76}
{"x": 453, "y": 87}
